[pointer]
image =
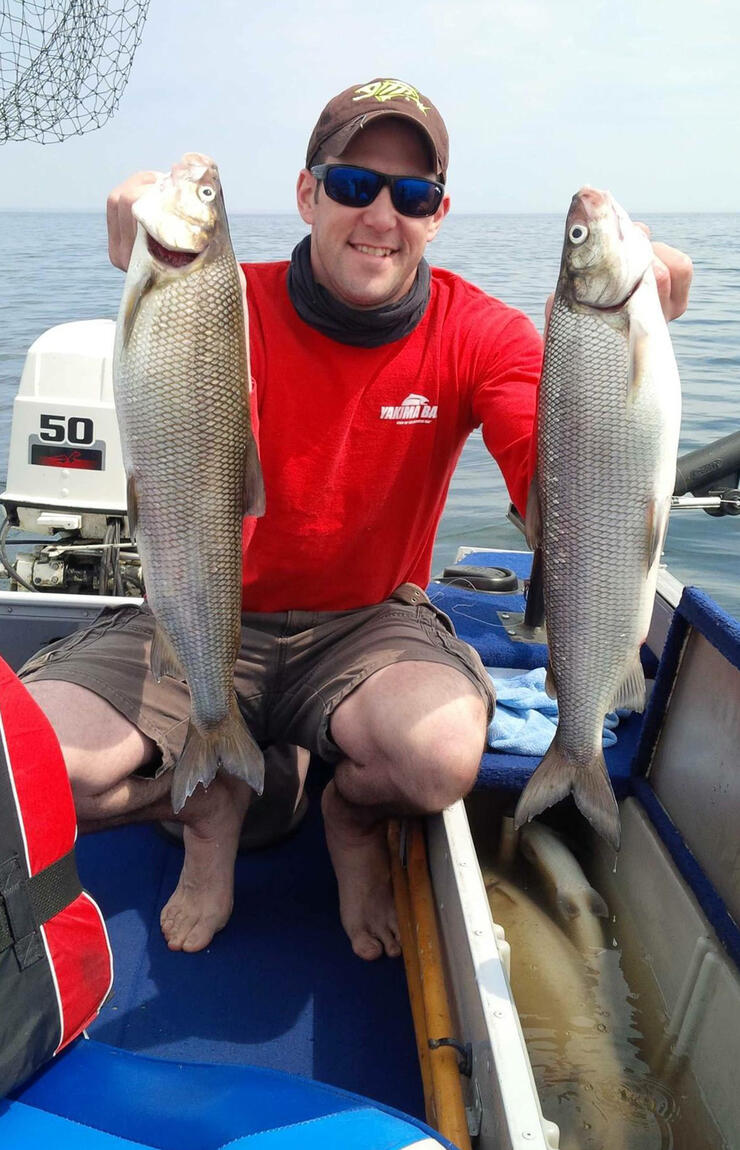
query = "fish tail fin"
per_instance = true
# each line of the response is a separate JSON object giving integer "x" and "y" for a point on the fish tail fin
{"x": 557, "y": 776}
{"x": 228, "y": 747}
{"x": 594, "y": 796}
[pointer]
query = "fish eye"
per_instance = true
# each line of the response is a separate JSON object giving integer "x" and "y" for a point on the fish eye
{"x": 206, "y": 192}
{"x": 578, "y": 233}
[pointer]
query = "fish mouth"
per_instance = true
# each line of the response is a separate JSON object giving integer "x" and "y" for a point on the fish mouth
{"x": 172, "y": 259}
{"x": 590, "y": 201}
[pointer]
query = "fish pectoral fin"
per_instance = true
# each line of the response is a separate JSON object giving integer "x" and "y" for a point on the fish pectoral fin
{"x": 132, "y": 506}
{"x": 550, "y": 689}
{"x": 597, "y": 905}
{"x": 658, "y": 514}
{"x": 638, "y": 348}
{"x": 133, "y": 304}
{"x": 630, "y": 695}
{"x": 162, "y": 659}
{"x": 254, "y": 486}
{"x": 533, "y": 516}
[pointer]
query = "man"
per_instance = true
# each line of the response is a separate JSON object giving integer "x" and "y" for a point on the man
{"x": 369, "y": 373}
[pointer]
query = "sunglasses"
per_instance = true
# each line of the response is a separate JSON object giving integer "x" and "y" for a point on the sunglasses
{"x": 357, "y": 187}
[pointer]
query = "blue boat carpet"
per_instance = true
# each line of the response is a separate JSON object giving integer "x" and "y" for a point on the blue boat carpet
{"x": 279, "y": 987}
{"x": 476, "y": 618}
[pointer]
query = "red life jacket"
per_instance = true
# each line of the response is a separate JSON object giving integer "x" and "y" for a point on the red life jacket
{"x": 56, "y": 968}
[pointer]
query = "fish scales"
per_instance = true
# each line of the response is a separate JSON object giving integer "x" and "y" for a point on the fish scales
{"x": 190, "y": 494}
{"x": 608, "y": 423}
{"x": 597, "y": 451}
{"x": 181, "y": 382}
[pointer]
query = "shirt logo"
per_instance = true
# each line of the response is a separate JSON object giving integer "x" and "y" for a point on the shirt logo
{"x": 382, "y": 90}
{"x": 414, "y": 409}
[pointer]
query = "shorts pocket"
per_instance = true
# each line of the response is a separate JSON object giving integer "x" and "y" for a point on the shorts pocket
{"x": 435, "y": 620}
{"x": 61, "y": 649}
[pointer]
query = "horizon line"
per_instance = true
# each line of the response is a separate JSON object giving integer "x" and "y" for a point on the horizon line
{"x": 294, "y": 214}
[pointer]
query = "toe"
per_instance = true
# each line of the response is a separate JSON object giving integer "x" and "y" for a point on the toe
{"x": 392, "y": 945}
{"x": 366, "y": 946}
{"x": 174, "y": 926}
{"x": 174, "y": 934}
{"x": 197, "y": 939}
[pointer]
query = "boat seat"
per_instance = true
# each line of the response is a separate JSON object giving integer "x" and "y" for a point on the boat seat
{"x": 476, "y": 616}
{"x": 96, "y": 1097}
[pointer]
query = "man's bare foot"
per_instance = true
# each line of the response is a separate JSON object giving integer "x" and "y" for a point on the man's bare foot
{"x": 359, "y": 854}
{"x": 204, "y": 896}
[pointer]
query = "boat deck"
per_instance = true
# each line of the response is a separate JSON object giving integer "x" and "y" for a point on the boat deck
{"x": 279, "y": 987}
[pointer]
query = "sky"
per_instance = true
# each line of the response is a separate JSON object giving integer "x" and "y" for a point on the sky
{"x": 539, "y": 96}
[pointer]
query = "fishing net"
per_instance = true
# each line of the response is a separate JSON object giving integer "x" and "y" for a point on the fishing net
{"x": 64, "y": 64}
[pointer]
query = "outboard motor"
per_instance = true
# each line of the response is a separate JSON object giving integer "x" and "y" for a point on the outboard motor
{"x": 66, "y": 486}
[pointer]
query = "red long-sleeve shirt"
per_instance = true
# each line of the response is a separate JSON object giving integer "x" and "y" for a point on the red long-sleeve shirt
{"x": 358, "y": 445}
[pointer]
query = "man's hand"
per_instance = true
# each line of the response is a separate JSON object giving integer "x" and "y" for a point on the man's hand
{"x": 121, "y": 222}
{"x": 673, "y": 274}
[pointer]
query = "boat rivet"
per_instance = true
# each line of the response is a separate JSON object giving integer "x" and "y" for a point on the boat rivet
{"x": 510, "y": 631}
{"x": 498, "y": 1014}
{"x": 528, "y": 1135}
{"x": 504, "y": 614}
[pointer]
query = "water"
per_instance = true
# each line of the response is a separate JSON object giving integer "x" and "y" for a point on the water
{"x": 56, "y": 270}
{"x": 593, "y": 1020}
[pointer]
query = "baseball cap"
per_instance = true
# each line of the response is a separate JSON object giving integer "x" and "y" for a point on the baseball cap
{"x": 349, "y": 112}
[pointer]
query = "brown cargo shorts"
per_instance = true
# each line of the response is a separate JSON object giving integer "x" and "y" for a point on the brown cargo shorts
{"x": 294, "y": 669}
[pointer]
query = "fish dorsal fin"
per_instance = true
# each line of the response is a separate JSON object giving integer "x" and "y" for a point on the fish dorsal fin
{"x": 533, "y": 516}
{"x": 658, "y": 514}
{"x": 162, "y": 659}
{"x": 132, "y": 506}
{"x": 254, "y": 487}
{"x": 630, "y": 695}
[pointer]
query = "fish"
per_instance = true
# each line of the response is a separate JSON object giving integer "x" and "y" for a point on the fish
{"x": 182, "y": 395}
{"x": 608, "y": 420}
{"x": 540, "y": 950}
{"x": 579, "y": 907}
{"x": 578, "y": 1020}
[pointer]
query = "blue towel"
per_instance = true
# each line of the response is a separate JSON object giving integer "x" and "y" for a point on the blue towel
{"x": 526, "y": 717}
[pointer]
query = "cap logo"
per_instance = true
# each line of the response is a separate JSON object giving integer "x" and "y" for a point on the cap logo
{"x": 382, "y": 90}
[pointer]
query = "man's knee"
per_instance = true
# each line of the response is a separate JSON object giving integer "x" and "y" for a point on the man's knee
{"x": 99, "y": 745}
{"x": 416, "y": 731}
{"x": 421, "y": 769}
{"x": 447, "y": 767}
